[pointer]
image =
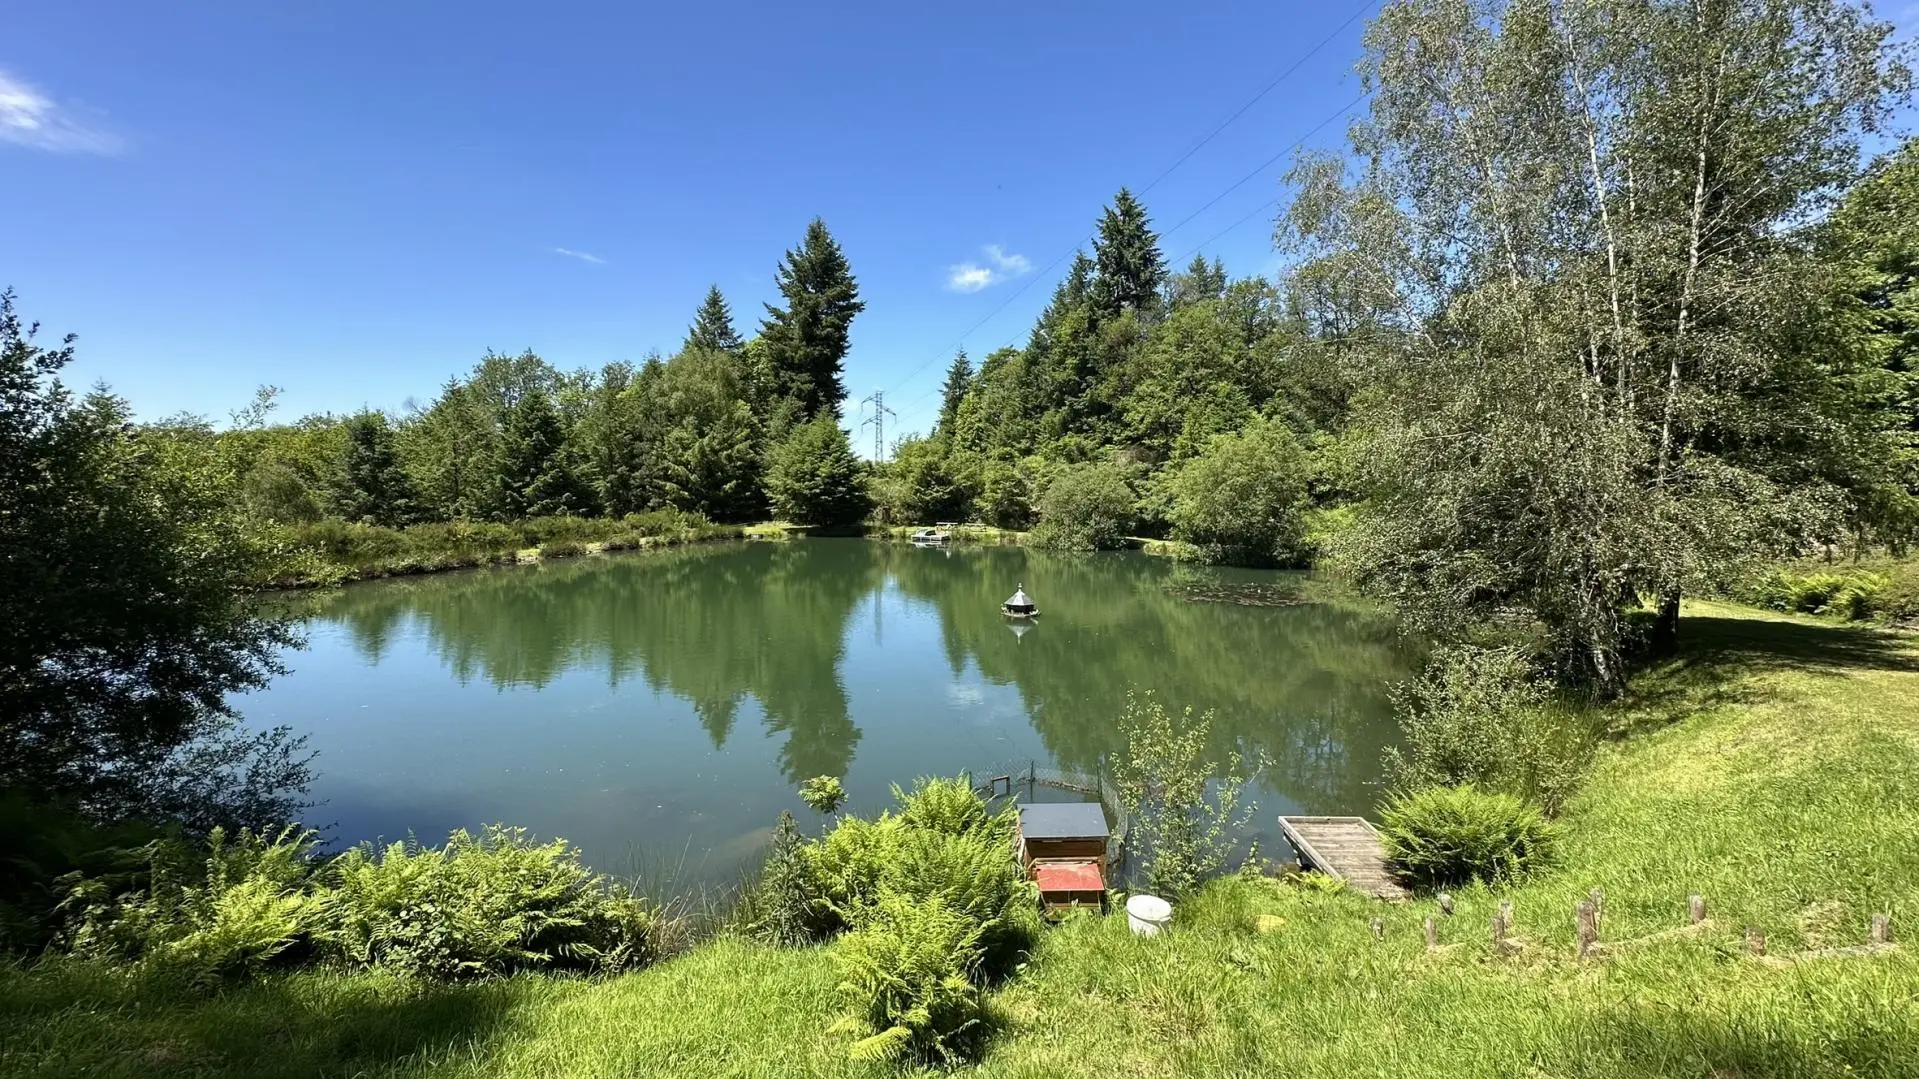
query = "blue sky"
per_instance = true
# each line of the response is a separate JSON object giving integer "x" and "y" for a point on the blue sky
{"x": 355, "y": 200}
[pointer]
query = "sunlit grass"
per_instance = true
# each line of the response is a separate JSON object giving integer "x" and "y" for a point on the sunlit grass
{"x": 1773, "y": 768}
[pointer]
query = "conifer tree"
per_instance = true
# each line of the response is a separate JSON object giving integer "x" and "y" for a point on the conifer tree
{"x": 713, "y": 326}
{"x": 373, "y": 487}
{"x": 813, "y": 478}
{"x": 806, "y": 340}
{"x": 959, "y": 380}
{"x": 1129, "y": 266}
{"x": 534, "y": 479}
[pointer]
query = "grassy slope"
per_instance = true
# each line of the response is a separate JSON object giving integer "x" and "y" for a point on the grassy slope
{"x": 1773, "y": 769}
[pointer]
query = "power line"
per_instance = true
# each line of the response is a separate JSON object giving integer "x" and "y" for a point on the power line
{"x": 1168, "y": 171}
{"x": 1297, "y": 143}
{"x": 1256, "y": 98}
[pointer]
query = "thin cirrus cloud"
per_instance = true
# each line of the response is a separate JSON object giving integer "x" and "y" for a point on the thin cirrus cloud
{"x": 31, "y": 118}
{"x": 581, "y": 255}
{"x": 972, "y": 277}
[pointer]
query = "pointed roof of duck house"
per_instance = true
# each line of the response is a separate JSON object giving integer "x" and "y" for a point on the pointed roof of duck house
{"x": 1020, "y": 600}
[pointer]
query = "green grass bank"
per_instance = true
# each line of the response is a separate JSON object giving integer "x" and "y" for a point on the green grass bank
{"x": 1773, "y": 768}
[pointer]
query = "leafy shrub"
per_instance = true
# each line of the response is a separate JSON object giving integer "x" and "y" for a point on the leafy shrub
{"x": 1486, "y": 716}
{"x": 1851, "y": 594}
{"x": 233, "y": 910}
{"x": 1185, "y": 810}
{"x": 1446, "y": 836}
{"x": 563, "y": 549}
{"x": 1240, "y": 499}
{"x": 1085, "y": 508}
{"x": 949, "y": 806}
{"x": 847, "y": 864}
{"x": 1899, "y": 600}
{"x": 784, "y": 907}
{"x": 47, "y": 841}
{"x": 823, "y": 793}
{"x": 907, "y": 977}
{"x": 485, "y": 905}
{"x": 973, "y": 873}
{"x": 1005, "y": 499}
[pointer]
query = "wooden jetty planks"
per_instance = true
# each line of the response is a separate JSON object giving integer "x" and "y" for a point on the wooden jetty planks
{"x": 1344, "y": 847}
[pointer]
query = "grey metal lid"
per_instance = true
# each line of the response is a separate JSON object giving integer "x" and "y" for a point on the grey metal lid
{"x": 1062, "y": 820}
{"x": 1020, "y": 598}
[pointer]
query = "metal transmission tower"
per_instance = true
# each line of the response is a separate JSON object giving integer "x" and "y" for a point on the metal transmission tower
{"x": 877, "y": 421}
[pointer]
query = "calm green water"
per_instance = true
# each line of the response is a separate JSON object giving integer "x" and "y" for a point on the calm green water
{"x": 659, "y": 709}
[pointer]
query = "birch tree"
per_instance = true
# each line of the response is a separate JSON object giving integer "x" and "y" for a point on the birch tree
{"x": 1566, "y": 272}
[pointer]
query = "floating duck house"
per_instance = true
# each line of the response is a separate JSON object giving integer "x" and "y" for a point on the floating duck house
{"x": 1062, "y": 846}
{"x": 1020, "y": 605}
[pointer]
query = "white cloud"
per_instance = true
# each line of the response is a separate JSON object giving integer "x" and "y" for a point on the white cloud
{"x": 30, "y": 118}
{"x": 972, "y": 277}
{"x": 581, "y": 255}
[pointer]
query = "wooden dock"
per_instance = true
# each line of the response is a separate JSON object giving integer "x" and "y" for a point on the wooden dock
{"x": 1344, "y": 847}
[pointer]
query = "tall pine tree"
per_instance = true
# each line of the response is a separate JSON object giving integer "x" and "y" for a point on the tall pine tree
{"x": 373, "y": 487}
{"x": 806, "y": 340}
{"x": 713, "y": 326}
{"x": 1129, "y": 266}
{"x": 959, "y": 380}
{"x": 534, "y": 479}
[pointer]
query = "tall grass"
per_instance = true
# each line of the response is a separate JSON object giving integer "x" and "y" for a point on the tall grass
{"x": 331, "y": 551}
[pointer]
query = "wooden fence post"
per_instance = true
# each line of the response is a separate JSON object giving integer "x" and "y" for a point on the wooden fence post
{"x": 1379, "y": 929}
{"x": 1598, "y": 898}
{"x": 1586, "y": 918}
{"x": 1755, "y": 941}
{"x": 1881, "y": 929}
{"x": 1432, "y": 934}
{"x": 1696, "y": 908}
{"x": 1446, "y": 904}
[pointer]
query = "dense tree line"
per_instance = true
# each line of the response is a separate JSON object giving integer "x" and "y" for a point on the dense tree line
{"x": 706, "y": 430}
{"x": 1601, "y": 307}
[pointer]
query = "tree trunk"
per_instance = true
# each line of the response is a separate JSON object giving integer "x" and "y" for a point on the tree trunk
{"x": 1665, "y": 626}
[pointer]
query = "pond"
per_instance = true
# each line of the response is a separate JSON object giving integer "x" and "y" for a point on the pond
{"x": 658, "y": 710}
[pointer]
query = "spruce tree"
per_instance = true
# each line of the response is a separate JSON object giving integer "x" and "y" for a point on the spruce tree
{"x": 806, "y": 340}
{"x": 1200, "y": 282}
{"x": 959, "y": 380}
{"x": 373, "y": 487}
{"x": 1129, "y": 266}
{"x": 713, "y": 326}
{"x": 534, "y": 479}
{"x": 813, "y": 478}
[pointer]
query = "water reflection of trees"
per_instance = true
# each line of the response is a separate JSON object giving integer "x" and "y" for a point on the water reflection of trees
{"x": 1304, "y": 684}
{"x": 712, "y": 626}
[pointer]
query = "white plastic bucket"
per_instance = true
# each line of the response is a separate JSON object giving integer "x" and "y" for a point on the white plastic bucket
{"x": 1148, "y": 914}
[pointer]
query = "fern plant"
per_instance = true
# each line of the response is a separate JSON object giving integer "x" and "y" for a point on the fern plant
{"x": 907, "y": 979}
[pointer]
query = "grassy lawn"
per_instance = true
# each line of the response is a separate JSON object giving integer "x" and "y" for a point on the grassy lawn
{"x": 1773, "y": 768}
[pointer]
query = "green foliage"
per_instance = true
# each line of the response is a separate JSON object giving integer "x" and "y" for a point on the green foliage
{"x": 535, "y": 478}
{"x": 485, "y": 905}
{"x": 823, "y": 794}
{"x": 805, "y": 341}
{"x": 1439, "y": 837}
{"x": 784, "y": 907}
{"x": 918, "y": 485}
{"x": 1852, "y": 594}
{"x": 948, "y": 806}
{"x": 46, "y": 842}
{"x": 1185, "y": 808}
{"x": 125, "y": 620}
{"x": 814, "y": 479}
{"x": 1005, "y": 499}
{"x": 712, "y": 327}
{"x": 1085, "y": 508}
{"x": 373, "y": 487}
{"x": 1130, "y": 268}
{"x": 234, "y": 906}
{"x": 906, "y": 978}
{"x": 231, "y": 909}
{"x": 1240, "y": 500}
{"x": 1488, "y": 717}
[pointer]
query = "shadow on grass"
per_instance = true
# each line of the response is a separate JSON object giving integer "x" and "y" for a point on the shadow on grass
{"x": 1720, "y": 657}
{"x": 1683, "y": 1044}
{"x": 76, "y": 1022}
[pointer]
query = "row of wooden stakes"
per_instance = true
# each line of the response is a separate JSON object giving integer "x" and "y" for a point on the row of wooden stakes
{"x": 1588, "y": 912}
